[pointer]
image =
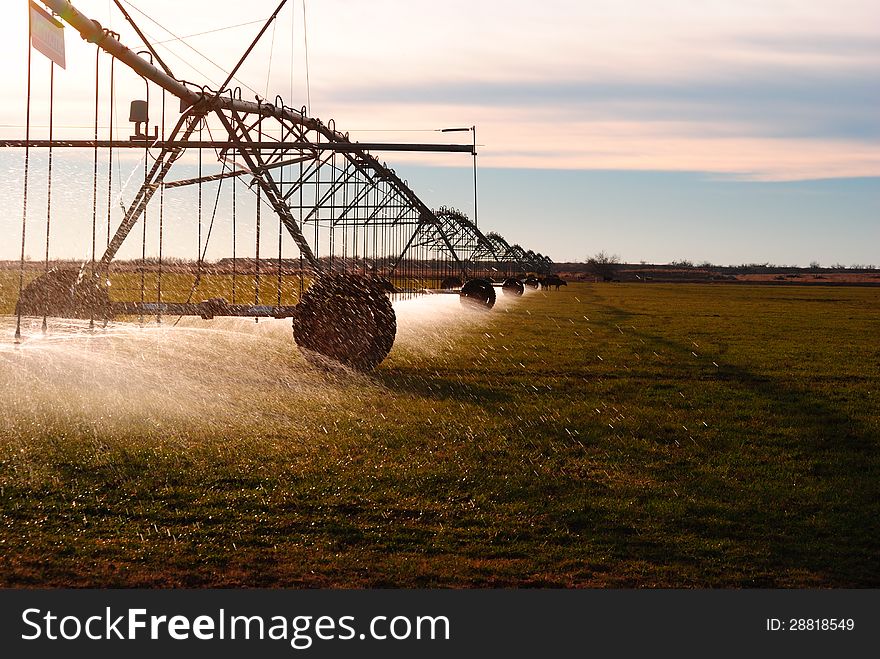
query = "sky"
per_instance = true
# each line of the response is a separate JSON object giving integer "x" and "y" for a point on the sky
{"x": 722, "y": 131}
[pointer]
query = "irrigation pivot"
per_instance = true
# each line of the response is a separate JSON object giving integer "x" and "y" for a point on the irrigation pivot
{"x": 360, "y": 234}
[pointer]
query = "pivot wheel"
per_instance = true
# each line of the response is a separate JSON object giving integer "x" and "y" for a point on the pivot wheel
{"x": 512, "y": 286}
{"x": 478, "y": 293}
{"x": 347, "y": 318}
{"x": 66, "y": 293}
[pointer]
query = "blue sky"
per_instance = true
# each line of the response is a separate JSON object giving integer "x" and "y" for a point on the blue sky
{"x": 724, "y": 131}
{"x": 659, "y": 217}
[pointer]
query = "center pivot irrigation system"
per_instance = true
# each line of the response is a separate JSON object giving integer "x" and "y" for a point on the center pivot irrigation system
{"x": 361, "y": 234}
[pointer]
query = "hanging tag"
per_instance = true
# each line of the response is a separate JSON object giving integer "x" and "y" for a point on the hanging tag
{"x": 47, "y": 34}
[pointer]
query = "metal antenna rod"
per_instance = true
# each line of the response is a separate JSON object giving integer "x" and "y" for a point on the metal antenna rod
{"x": 251, "y": 47}
{"x": 474, "y": 129}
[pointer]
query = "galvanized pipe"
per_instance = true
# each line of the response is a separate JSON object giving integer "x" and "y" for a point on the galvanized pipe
{"x": 92, "y": 31}
{"x": 339, "y": 147}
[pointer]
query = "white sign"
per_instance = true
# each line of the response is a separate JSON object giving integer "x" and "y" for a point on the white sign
{"x": 47, "y": 35}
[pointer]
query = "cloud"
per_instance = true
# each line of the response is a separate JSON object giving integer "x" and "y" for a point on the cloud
{"x": 769, "y": 89}
{"x": 808, "y": 106}
{"x": 775, "y": 129}
{"x": 754, "y": 89}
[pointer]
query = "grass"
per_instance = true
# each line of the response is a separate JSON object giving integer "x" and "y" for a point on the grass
{"x": 180, "y": 286}
{"x": 605, "y": 435}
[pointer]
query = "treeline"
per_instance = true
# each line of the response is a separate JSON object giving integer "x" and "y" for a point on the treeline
{"x": 603, "y": 266}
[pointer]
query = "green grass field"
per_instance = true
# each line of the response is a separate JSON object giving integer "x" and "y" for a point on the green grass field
{"x": 606, "y": 435}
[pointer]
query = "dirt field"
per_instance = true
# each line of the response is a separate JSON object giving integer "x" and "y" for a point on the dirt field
{"x": 605, "y": 435}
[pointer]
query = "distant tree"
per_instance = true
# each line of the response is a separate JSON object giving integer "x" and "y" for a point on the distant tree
{"x": 603, "y": 264}
{"x": 683, "y": 263}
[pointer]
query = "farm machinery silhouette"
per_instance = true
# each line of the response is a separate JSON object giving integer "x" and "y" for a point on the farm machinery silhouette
{"x": 361, "y": 234}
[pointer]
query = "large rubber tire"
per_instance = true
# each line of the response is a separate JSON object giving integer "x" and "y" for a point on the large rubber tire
{"x": 346, "y": 318}
{"x": 66, "y": 293}
{"x": 478, "y": 293}
{"x": 512, "y": 286}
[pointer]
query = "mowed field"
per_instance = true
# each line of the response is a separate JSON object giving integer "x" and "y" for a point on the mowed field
{"x": 606, "y": 435}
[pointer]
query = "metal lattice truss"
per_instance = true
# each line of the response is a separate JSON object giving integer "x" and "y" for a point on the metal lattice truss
{"x": 359, "y": 230}
{"x": 486, "y": 256}
{"x": 465, "y": 241}
{"x": 343, "y": 208}
{"x": 514, "y": 254}
{"x": 324, "y": 188}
